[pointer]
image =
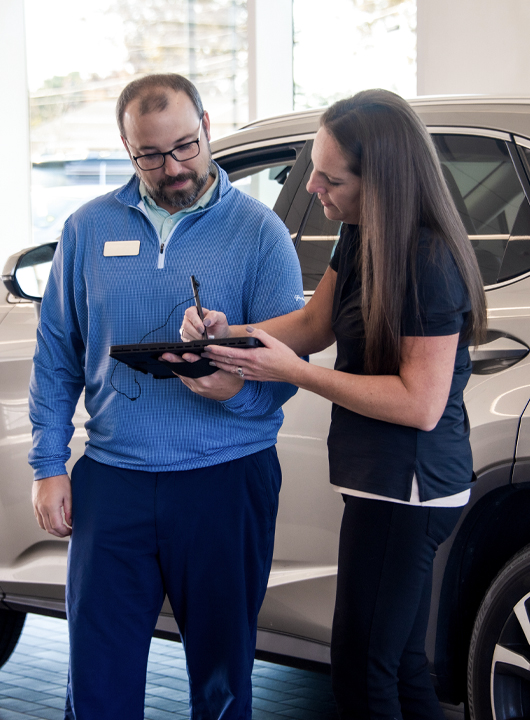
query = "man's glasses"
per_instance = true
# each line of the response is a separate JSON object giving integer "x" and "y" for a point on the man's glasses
{"x": 181, "y": 153}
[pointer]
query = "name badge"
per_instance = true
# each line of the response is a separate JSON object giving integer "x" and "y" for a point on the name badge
{"x": 116, "y": 248}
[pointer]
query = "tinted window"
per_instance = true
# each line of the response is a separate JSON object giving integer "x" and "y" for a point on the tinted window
{"x": 264, "y": 184}
{"x": 490, "y": 199}
{"x": 314, "y": 235}
{"x": 262, "y": 172}
{"x": 526, "y": 153}
{"x": 488, "y": 195}
{"x": 270, "y": 175}
{"x": 316, "y": 244}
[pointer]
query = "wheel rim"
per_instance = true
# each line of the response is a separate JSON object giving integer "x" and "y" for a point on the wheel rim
{"x": 510, "y": 667}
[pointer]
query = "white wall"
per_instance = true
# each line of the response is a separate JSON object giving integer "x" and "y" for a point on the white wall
{"x": 270, "y": 57}
{"x": 15, "y": 209}
{"x": 473, "y": 46}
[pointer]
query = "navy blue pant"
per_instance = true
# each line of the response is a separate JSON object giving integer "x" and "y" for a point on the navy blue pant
{"x": 378, "y": 663}
{"x": 205, "y": 537}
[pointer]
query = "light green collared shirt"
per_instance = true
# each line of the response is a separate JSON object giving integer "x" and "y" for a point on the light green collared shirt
{"x": 163, "y": 221}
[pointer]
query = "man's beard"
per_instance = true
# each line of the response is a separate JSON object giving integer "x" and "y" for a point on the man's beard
{"x": 179, "y": 199}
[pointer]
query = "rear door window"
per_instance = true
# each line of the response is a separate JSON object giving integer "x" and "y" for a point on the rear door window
{"x": 316, "y": 244}
{"x": 479, "y": 172}
{"x": 488, "y": 194}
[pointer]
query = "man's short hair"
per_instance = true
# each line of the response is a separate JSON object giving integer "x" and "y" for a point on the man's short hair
{"x": 151, "y": 90}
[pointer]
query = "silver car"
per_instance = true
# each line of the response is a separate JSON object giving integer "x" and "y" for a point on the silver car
{"x": 479, "y": 635}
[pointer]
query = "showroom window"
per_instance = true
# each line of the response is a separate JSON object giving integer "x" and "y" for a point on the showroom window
{"x": 81, "y": 55}
{"x": 373, "y": 45}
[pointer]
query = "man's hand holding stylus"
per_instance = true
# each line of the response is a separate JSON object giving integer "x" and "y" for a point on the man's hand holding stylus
{"x": 221, "y": 385}
{"x": 215, "y": 324}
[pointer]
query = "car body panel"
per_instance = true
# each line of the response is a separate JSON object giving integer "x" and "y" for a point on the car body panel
{"x": 521, "y": 472}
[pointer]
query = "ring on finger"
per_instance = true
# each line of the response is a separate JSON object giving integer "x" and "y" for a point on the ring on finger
{"x": 240, "y": 372}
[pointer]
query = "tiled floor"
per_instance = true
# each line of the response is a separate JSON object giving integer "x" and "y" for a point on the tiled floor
{"x": 32, "y": 682}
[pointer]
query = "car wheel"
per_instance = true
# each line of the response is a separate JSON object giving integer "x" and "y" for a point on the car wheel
{"x": 11, "y": 624}
{"x": 498, "y": 677}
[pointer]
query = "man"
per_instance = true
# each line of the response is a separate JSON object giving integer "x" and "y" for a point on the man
{"x": 177, "y": 492}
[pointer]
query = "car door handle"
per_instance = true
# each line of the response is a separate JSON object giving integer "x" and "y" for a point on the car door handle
{"x": 500, "y": 351}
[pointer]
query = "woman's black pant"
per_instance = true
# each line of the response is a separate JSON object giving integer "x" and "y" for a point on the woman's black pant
{"x": 378, "y": 662}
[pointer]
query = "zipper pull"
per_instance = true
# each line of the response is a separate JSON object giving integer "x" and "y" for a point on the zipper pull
{"x": 162, "y": 248}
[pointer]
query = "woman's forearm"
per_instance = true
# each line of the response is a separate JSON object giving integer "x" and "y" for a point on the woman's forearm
{"x": 416, "y": 396}
{"x": 382, "y": 397}
{"x": 295, "y": 330}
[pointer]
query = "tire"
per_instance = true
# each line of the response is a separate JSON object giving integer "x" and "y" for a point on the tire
{"x": 498, "y": 677}
{"x": 11, "y": 624}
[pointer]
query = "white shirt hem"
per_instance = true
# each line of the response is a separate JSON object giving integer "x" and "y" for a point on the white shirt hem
{"x": 458, "y": 500}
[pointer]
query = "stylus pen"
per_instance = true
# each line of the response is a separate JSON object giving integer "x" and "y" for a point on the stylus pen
{"x": 195, "y": 288}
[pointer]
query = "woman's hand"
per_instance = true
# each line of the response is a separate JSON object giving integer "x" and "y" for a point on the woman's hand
{"x": 273, "y": 363}
{"x": 214, "y": 322}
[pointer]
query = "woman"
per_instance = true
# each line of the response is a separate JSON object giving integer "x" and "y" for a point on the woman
{"x": 403, "y": 299}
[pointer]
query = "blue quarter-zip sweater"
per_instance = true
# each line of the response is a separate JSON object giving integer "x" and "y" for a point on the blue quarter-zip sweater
{"x": 242, "y": 255}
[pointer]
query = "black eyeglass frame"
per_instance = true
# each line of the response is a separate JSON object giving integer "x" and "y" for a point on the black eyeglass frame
{"x": 171, "y": 152}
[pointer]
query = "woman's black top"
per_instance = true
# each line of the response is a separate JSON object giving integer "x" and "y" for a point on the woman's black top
{"x": 382, "y": 457}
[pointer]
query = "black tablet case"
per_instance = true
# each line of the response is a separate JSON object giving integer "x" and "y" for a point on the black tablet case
{"x": 144, "y": 357}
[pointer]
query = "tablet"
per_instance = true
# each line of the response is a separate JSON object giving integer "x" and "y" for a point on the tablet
{"x": 144, "y": 357}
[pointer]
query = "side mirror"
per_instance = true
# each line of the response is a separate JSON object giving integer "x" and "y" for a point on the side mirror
{"x": 26, "y": 273}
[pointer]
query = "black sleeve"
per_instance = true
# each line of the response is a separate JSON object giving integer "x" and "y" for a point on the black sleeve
{"x": 337, "y": 250}
{"x": 348, "y": 242}
{"x": 443, "y": 302}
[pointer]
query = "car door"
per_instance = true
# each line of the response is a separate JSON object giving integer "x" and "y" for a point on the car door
{"x": 521, "y": 472}
{"x": 486, "y": 176}
{"x": 32, "y": 564}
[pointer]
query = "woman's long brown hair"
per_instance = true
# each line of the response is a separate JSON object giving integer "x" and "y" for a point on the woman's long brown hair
{"x": 402, "y": 190}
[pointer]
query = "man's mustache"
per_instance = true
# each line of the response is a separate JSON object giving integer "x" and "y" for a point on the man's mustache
{"x": 176, "y": 178}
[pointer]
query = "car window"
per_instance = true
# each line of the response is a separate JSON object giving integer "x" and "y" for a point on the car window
{"x": 316, "y": 244}
{"x": 488, "y": 195}
{"x": 261, "y": 172}
{"x": 490, "y": 199}
{"x": 526, "y": 153}
{"x": 478, "y": 170}
{"x": 277, "y": 177}
{"x": 314, "y": 235}
{"x": 264, "y": 184}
